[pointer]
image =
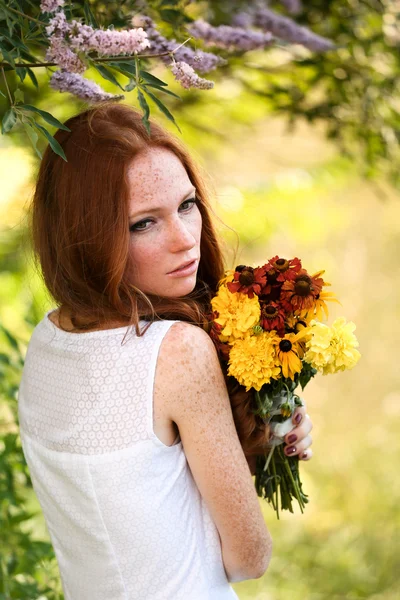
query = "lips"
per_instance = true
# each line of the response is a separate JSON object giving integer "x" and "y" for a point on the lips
{"x": 183, "y": 265}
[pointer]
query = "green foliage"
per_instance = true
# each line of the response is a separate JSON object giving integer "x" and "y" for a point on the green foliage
{"x": 28, "y": 569}
{"x": 352, "y": 91}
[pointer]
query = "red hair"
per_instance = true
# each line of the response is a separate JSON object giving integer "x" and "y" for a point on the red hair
{"x": 80, "y": 223}
{"x": 80, "y": 230}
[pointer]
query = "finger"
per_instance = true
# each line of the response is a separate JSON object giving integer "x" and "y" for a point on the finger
{"x": 300, "y": 432}
{"x": 298, "y": 447}
{"x": 306, "y": 455}
{"x": 298, "y": 415}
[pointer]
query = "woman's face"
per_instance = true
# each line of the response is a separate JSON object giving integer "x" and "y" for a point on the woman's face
{"x": 164, "y": 222}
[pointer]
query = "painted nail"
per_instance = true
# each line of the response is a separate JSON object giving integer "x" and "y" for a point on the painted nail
{"x": 292, "y": 438}
{"x": 304, "y": 455}
{"x": 298, "y": 418}
{"x": 290, "y": 450}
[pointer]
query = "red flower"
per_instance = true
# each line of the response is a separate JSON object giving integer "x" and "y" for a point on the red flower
{"x": 247, "y": 280}
{"x": 273, "y": 317}
{"x": 285, "y": 269}
{"x": 300, "y": 293}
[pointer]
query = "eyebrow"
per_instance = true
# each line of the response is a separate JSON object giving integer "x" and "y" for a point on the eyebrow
{"x": 158, "y": 209}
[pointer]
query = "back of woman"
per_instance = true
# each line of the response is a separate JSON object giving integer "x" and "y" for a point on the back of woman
{"x": 124, "y": 240}
{"x": 125, "y": 516}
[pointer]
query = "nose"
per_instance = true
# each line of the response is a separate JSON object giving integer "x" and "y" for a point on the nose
{"x": 180, "y": 236}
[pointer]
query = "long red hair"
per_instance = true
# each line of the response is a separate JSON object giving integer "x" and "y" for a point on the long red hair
{"x": 80, "y": 231}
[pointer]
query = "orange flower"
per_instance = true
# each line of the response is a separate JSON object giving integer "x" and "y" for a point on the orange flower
{"x": 279, "y": 270}
{"x": 247, "y": 280}
{"x": 273, "y": 317}
{"x": 300, "y": 293}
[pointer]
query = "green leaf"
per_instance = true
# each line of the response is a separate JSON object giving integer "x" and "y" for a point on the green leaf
{"x": 13, "y": 342}
{"x": 45, "y": 115}
{"x": 146, "y": 110}
{"x": 9, "y": 58}
{"x": 33, "y": 136}
{"x": 170, "y": 15}
{"x": 129, "y": 70}
{"x": 90, "y": 18}
{"x": 163, "y": 108}
{"x": 53, "y": 142}
{"x": 151, "y": 78}
{"x": 107, "y": 74}
{"x": 33, "y": 77}
{"x": 131, "y": 85}
{"x": 21, "y": 72}
{"x": 161, "y": 89}
{"x": 18, "y": 95}
{"x": 9, "y": 120}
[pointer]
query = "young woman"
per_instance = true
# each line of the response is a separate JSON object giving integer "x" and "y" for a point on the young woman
{"x": 126, "y": 421}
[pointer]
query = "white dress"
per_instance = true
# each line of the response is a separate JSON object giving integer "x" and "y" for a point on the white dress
{"x": 124, "y": 514}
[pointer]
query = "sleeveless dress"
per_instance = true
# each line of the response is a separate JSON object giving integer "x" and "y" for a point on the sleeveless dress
{"x": 124, "y": 514}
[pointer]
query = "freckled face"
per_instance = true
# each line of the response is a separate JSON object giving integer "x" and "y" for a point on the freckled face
{"x": 165, "y": 224}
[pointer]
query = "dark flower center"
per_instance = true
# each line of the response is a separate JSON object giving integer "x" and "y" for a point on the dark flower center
{"x": 246, "y": 277}
{"x": 240, "y": 268}
{"x": 281, "y": 264}
{"x": 303, "y": 285}
{"x": 269, "y": 311}
{"x": 285, "y": 345}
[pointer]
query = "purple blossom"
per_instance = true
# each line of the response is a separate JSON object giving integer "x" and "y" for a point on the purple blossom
{"x": 58, "y": 25}
{"x": 60, "y": 53}
{"x": 199, "y": 60}
{"x": 50, "y": 6}
{"x": 286, "y": 29}
{"x": 188, "y": 78}
{"x": 294, "y": 7}
{"x": 80, "y": 87}
{"x": 108, "y": 42}
{"x": 224, "y": 36}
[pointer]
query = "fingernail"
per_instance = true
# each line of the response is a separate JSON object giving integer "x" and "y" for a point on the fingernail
{"x": 304, "y": 455}
{"x": 290, "y": 450}
{"x": 292, "y": 438}
{"x": 298, "y": 418}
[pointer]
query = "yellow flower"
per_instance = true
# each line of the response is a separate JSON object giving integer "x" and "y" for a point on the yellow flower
{"x": 252, "y": 360}
{"x": 227, "y": 277}
{"x": 289, "y": 351}
{"x": 237, "y": 314}
{"x": 332, "y": 349}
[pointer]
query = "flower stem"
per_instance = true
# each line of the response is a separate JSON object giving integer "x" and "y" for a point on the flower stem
{"x": 294, "y": 483}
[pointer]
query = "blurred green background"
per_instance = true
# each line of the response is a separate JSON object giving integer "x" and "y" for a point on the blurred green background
{"x": 276, "y": 192}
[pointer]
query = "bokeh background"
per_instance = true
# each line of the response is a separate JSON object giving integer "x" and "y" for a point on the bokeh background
{"x": 291, "y": 192}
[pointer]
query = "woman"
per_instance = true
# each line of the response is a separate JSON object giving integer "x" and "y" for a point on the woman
{"x": 128, "y": 432}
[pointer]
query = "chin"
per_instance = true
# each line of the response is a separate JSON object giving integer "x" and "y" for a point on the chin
{"x": 176, "y": 288}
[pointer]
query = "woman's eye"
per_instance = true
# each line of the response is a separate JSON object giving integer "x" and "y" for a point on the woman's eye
{"x": 191, "y": 201}
{"x": 141, "y": 225}
{"x": 137, "y": 226}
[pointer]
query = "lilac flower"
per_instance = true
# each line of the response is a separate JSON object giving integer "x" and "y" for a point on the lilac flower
{"x": 50, "y": 6}
{"x": 58, "y": 25}
{"x": 224, "y": 36}
{"x": 80, "y": 87}
{"x": 60, "y": 53}
{"x": 199, "y": 60}
{"x": 188, "y": 78}
{"x": 286, "y": 29}
{"x": 108, "y": 42}
{"x": 293, "y": 6}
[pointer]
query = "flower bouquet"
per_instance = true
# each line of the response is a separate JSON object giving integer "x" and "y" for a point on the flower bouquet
{"x": 266, "y": 324}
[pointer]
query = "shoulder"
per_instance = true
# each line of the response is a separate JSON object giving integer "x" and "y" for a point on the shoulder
{"x": 189, "y": 342}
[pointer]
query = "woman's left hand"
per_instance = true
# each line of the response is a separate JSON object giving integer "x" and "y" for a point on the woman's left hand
{"x": 299, "y": 438}
{"x": 302, "y": 442}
